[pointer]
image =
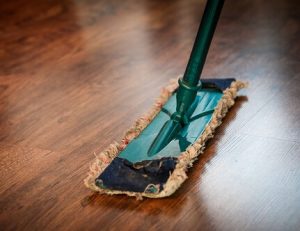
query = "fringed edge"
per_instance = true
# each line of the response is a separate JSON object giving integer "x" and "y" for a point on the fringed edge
{"x": 185, "y": 159}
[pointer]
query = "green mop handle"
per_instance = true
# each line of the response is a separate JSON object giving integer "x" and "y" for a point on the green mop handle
{"x": 188, "y": 86}
{"x": 204, "y": 36}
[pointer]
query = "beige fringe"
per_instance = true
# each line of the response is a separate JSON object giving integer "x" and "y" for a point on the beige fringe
{"x": 185, "y": 159}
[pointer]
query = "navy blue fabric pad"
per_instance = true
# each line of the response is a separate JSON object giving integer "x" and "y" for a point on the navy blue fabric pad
{"x": 219, "y": 84}
{"x": 123, "y": 175}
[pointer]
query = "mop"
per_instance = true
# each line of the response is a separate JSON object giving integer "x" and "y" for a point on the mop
{"x": 153, "y": 157}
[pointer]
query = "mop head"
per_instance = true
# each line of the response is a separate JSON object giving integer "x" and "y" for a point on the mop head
{"x": 125, "y": 168}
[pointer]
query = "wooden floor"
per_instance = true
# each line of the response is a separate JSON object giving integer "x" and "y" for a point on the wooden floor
{"x": 74, "y": 75}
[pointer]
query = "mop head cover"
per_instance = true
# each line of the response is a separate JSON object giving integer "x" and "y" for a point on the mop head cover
{"x": 113, "y": 173}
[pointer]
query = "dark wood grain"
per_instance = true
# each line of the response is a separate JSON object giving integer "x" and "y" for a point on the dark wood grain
{"x": 74, "y": 75}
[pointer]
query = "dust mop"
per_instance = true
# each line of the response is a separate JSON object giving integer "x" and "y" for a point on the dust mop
{"x": 153, "y": 157}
